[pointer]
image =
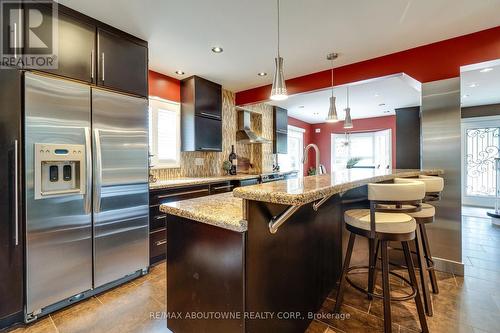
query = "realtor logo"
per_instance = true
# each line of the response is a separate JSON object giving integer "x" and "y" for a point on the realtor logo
{"x": 29, "y": 37}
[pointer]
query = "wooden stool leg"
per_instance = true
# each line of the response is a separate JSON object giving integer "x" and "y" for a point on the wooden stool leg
{"x": 413, "y": 279}
{"x": 371, "y": 269}
{"x": 386, "y": 288}
{"x": 340, "y": 291}
{"x": 428, "y": 257}
{"x": 422, "y": 265}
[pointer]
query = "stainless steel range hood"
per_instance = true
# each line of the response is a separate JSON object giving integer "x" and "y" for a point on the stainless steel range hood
{"x": 245, "y": 134}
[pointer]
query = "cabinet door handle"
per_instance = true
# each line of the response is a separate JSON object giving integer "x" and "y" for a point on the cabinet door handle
{"x": 92, "y": 65}
{"x": 161, "y": 242}
{"x": 15, "y": 42}
{"x": 103, "y": 67}
{"x": 160, "y": 217}
{"x": 209, "y": 115}
{"x": 181, "y": 193}
{"x": 16, "y": 193}
{"x": 223, "y": 187}
{"x": 209, "y": 148}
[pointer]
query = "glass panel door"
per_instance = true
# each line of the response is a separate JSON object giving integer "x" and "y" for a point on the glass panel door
{"x": 481, "y": 145}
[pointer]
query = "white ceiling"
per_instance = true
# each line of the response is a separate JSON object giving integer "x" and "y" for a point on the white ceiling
{"x": 181, "y": 32}
{"x": 365, "y": 99}
{"x": 479, "y": 87}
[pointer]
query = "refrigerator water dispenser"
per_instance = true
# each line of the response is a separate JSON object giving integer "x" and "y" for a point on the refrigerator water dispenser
{"x": 59, "y": 170}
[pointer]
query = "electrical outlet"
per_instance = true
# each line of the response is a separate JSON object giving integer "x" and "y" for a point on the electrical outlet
{"x": 317, "y": 130}
{"x": 199, "y": 161}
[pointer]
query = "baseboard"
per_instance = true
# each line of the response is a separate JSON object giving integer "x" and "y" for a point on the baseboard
{"x": 11, "y": 321}
{"x": 448, "y": 266}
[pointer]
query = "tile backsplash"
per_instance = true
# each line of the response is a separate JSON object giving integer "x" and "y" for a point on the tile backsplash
{"x": 259, "y": 155}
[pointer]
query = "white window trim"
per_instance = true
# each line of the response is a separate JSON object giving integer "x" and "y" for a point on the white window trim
{"x": 296, "y": 129}
{"x": 170, "y": 106}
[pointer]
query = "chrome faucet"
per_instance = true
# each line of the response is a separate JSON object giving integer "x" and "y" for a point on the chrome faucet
{"x": 320, "y": 168}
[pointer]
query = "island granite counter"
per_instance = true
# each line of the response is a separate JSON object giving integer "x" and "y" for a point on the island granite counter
{"x": 228, "y": 267}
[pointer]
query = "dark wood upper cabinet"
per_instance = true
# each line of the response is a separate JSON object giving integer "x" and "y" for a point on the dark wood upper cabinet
{"x": 75, "y": 46}
{"x": 201, "y": 97}
{"x": 201, "y": 115}
{"x": 122, "y": 63}
{"x": 280, "y": 130}
{"x": 208, "y": 98}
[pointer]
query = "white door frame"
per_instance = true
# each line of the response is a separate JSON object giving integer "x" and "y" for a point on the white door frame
{"x": 468, "y": 123}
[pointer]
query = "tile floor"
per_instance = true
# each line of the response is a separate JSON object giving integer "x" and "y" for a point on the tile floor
{"x": 468, "y": 304}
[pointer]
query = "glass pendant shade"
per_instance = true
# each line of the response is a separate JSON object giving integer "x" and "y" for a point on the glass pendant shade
{"x": 332, "y": 112}
{"x": 278, "y": 91}
{"x": 348, "y": 120}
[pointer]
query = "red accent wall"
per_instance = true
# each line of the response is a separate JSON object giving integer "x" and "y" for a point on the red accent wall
{"x": 436, "y": 61}
{"x": 163, "y": 86}
{"x": 323, "y": 139}
{"x": 308, "y": 138}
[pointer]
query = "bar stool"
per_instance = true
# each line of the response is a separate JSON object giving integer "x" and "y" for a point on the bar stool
{"x": 385, "y": 227}
{"x": 433, "y": 188}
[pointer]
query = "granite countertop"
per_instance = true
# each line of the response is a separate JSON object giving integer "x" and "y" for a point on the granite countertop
{"x": 221, "y": 210}
{"x": 226, "y": 210}
{"x": 177, "y": 182}
{"x": 304, "y": 190}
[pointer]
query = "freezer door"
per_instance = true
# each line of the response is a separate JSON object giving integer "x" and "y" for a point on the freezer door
{"x": 121, "y": 200}
{"x": 58, "y": 227}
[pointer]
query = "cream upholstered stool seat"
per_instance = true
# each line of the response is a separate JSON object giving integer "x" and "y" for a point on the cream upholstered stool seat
{"x": 381, "y": 227}
{"x": 393, "y": 223}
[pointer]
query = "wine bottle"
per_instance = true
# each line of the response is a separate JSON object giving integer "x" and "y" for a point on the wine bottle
{"x": 234, "y": 161}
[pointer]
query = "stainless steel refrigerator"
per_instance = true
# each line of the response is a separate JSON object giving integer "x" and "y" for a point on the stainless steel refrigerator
{"x": 85, "y": 191}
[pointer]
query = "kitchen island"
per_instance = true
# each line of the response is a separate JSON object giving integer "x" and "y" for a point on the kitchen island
{"x": 262, "y": 258}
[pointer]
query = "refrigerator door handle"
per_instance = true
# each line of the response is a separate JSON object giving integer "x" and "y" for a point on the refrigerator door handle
{"x": 92, "y": 70}
{"x": 16, "y": 192}
{"x": 98, "y": 172}
{"x": 88, "y": 171}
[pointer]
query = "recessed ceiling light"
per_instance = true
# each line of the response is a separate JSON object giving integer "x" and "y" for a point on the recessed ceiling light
{"x": 465, "y": 95}
{"x": 262, "y": 74}
{"x": 381, "y": 104}
{"x": 217, "y": 49}
{"x": 376, "y": 95}
{"x": 301, "y": 106}
{"x": 179, "y": 72}
{"x": 486, "y": 70}
{"x": 473, "y": 85}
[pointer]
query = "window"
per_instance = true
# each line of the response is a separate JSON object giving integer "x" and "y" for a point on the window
{"x": 293, "y": 159}
{"x": 367, "y": 149}
{"x": 164, "y": 133}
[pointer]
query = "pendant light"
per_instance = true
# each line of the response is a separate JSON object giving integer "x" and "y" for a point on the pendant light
{"x": 278, "y": 91}
{"x": 332, "y": 111}
{"x": 348, "y": 120}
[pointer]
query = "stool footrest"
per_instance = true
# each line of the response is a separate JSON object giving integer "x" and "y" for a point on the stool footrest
{"x": 376, "y": 295}
{"x": 430, "y": 261}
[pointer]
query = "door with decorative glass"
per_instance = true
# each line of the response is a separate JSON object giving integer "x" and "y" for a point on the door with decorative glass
{"x": 480, "y": 147}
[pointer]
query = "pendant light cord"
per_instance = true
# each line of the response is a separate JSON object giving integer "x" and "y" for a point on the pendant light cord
{"x": 348, "y": 96}
{"x": 332, "y": 77}
{"x": 278, "y": 3}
